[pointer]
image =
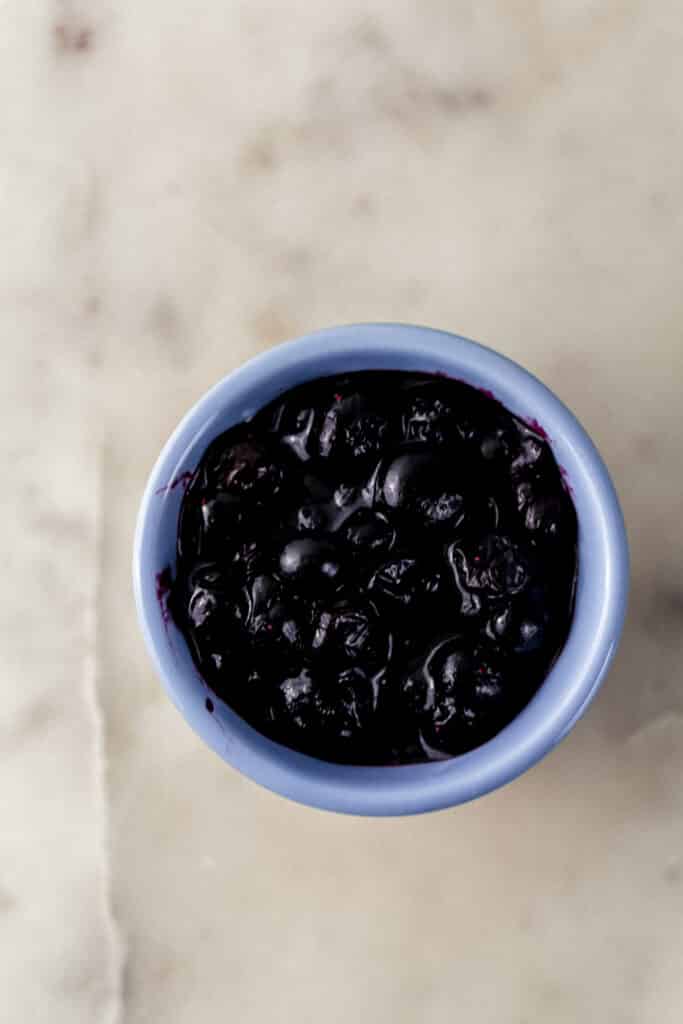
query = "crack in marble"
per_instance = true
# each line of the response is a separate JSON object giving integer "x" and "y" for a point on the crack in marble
{"x": 114, "y": 1013}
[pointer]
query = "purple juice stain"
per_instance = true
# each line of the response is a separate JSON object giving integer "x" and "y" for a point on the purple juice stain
{"x": 163, "y": 586}
{"x": 565, "y": 481}
{"x": 537, "y": 429}
{"x": 182, "y": 480}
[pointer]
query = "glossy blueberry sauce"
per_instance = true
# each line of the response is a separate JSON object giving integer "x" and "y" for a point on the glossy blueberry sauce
{"x": 378, "y": 568}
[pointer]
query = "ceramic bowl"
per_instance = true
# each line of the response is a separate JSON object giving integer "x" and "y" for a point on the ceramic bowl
{"x": 600, "y": 599}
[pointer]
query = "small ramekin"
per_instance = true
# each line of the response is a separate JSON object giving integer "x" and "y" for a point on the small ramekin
{"x": 601, "y": 589}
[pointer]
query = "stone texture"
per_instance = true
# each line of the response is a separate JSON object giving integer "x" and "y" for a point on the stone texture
{"x": 183, "y": 190}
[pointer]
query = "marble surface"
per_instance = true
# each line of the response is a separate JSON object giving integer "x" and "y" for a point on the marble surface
{"x": 179, "y": 189}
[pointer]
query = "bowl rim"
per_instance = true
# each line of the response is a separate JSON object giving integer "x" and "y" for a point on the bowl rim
{"x": 601, "y": 590}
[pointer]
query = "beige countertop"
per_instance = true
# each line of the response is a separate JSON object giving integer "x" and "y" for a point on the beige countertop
{"x": 181, "y": 187}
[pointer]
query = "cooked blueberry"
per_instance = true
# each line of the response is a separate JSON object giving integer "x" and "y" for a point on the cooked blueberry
{"x": 443, "y": 508}
{"x": 406, "y": 477}
{"x": 248, "y": 557}
{"x": 222, "y": 512}
{"x": 530, "y": 636}
{"x": 365, "y": 435}
{"x": 260, "y": 596}
{"x": 429, "y": 417}
{"x": 296, "y": 702}
{"x": 496, "y": 566}
{"x": 310, "y": 518}
{"x": 370, "y": 532}
{"x": 545, "y": 516}
{"x": 405, "y": 581}
{"x": 311, "y": 558}
{"x": 222, "y": 524}
{"x": 272, "y": 616}
{"x": 523, "y": 494}
{"x": 498, "y": 445}
{"x": 425, "y": 484}
{"x": 352, "y": 428}
{"x": 349, "y": 633}
{"x": 378, "y": 568}
{"x": 530, "y": 453}
{"x": 458, "y": 694}
{"x": 295, "y": 424}
{"x": 202, "y": 607}
{"x": 211, "y": 575}
{"x": 207, "y": 599}
{"x": 345, "y": 495}
{"x": 486, "y": 699}
{"x": 248, "y": 470}
{"x": 323, "y": 717}
{"x": 521, "y": 626}
{"x": 347, "y": 705}
{"x": 228, "y": 671}
{"x": 358, "y": 687}
{"x": 430, "y": 687}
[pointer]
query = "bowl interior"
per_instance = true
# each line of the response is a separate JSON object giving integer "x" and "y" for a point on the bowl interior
{"x": 601, "y": 590}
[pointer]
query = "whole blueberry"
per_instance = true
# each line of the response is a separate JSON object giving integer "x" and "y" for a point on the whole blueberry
{"x": 249, "y": 470}
{"x": 349, "y": 633}
{"x": 404, "y": 581}
{"x": 429, "y": 417}
{"x": 425, "y": 485}
{"x": 311, "y": 559}
{"x": 494, "y": 567}
{"x": 367, "y": 531}
{"x": 353, "y": 428}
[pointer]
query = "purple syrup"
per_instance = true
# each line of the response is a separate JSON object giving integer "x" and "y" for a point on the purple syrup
{"x": 378, "y": 568}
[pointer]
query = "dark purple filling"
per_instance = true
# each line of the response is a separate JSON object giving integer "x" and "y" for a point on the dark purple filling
{"x": 378, "y": 568}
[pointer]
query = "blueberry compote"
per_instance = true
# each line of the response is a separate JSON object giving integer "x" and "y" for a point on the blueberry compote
{"x": 377, "y": 568}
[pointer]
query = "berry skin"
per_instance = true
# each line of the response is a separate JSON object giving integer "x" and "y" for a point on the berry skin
{"x": 273, "y": 618}
{"x": 248, "y": 470}
{"x": 347, "y": 706}
{"x": 458, "y": 694}
{"x": 496, "y": 446}
{"x": 349, "y": 634}
{"x": 494, "y": 568}
{"x": 323, "y": 718}
{"x": 544, "y": 517}
{"x": 523, "y": 626}
{"x": 210, "y": 591}
{"x": 429, "y": 417}
{"x": 369, "y": 532}
{"x": 295, "y": 705}
{"x": 222, "y": 519}
{"x": 202, "y": 607}
{"x": 353, "y": 429}
{"x": 365, "y": 435}
{"x": 424, "y": 485}
{"x": 530, "y": 455}
{"x": 311, "y": 519}
{"x": 311, "y": 559}
{"x": 430, "y": 687}
{"x": 295, "y": 425}
{"x": 403, "y": 581}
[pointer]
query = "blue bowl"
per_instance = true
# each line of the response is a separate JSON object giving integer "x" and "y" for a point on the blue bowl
{"x": 600, "y": 600}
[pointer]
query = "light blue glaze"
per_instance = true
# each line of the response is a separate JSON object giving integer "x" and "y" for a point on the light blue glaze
{"x": 601, "y": 594}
